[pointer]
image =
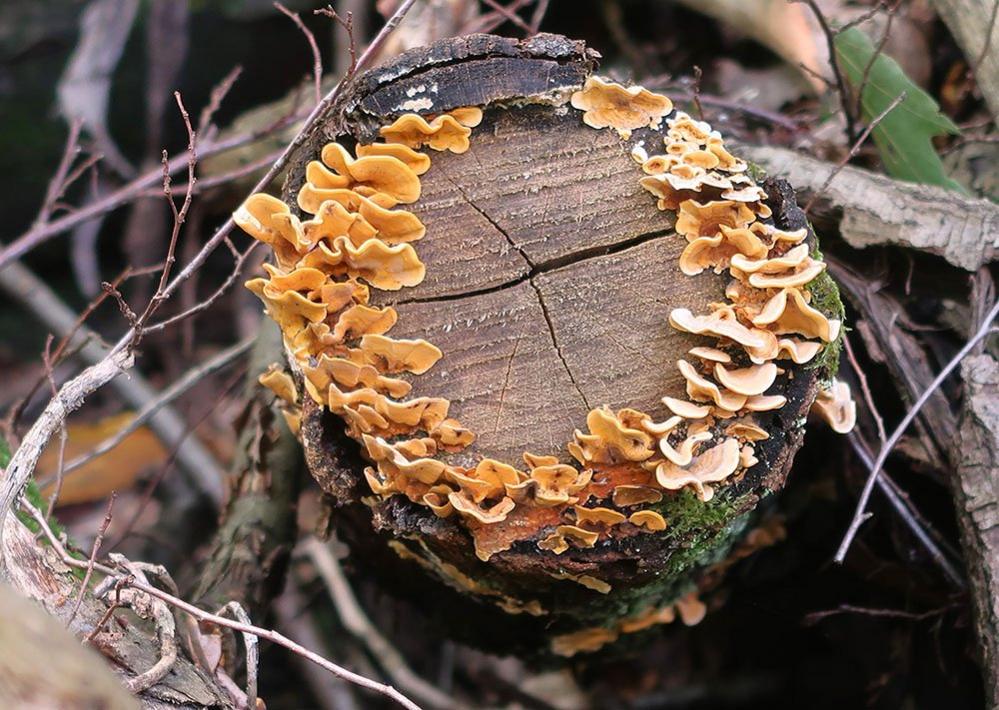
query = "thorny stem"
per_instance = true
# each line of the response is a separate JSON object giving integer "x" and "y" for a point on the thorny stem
{"x": 861, "y": 514}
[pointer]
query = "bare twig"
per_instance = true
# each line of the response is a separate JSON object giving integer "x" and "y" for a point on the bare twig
{"x": 329, "y": 692}
{"x": 206, "y": 303}
{"x": 854, "y": 149}
{"x": 59, "y": 182}
{"x": 865, "y": 17}
{"x": 317, "y": 57}
{"x": 196, "y": 462}
{"x": 773, "y": 117}
{"x": 878, "y": 49}
{"x": 206, "y": 183}
{"x": 63, "y": 435}
{"x": 491, "y": 20}
{"x": 844, "y": 94}
{"x": 697, "y": 92}
{"x": 125, "y": 194}
{"x": 147, "y": 606}
{"x": 120, "y": 358}
{"x": 538, "y": 16}
{"x": 865, "y": 389}
{"x": 510, "y": 15}
{"x": 71, "y": 396}
{"x": 346, "y": 21}
{"x": 216, "y": 98}
{"x": 861, "y": 514}
{"x": 129, "y": 579}
{"x": 916, "y": 523}
{"x": 990, "y": 30}
{"x": 175, "y": 390}
{"x": 179, "y": 216}
{"x": 94, "y": 551}
{"x": 320, "y": 110}
{"x": 236, "y": 610}
{"x": 358, "y": 624}
{"x": 880, "y": 613}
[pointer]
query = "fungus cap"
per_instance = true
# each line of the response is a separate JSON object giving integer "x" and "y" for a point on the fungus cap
{"x": 755, "y": 379}
{"x": 836, "y": 406}
{"x": 648, "y": 519}
{"x": 714, "y": 465}
{"x": 608, "y": 104}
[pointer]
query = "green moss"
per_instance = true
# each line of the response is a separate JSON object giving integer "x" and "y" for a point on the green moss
{"x": 700, "y": 533}
{"x": 826, "y": 299}
{"x": 33, "y": 495}
{"x": 756, "y": 172}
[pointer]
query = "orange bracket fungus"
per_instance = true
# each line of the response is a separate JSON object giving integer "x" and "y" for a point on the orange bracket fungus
{"x": 549, "y": 416}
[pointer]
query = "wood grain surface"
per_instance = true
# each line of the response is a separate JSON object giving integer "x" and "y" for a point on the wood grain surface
{"x": 550, "y": 277}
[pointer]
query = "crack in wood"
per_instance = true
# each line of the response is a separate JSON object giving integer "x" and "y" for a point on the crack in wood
{"x": 577, "y": 257}
{"x": 530, "y": 279}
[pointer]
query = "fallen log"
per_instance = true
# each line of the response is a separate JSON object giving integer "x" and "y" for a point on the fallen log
{"x": 869, "y": 209}
{"x": 507, "y": 450}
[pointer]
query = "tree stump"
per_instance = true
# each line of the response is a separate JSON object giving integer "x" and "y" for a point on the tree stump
{"x": 542, "y": 312}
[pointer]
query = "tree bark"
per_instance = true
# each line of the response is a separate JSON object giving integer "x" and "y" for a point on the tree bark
{"x": 36, "y": 572}
{"x": 976, "y": 497}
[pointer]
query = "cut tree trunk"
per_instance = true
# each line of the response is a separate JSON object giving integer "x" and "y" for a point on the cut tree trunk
{"x": 550, "y": 275}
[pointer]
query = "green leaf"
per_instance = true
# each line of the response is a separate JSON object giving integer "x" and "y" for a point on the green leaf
{"x": 903, "y": 137}
{"x": 4, "y": 453}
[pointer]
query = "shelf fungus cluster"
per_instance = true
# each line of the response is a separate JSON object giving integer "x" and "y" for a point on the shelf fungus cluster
{"x": 352, "y": 235}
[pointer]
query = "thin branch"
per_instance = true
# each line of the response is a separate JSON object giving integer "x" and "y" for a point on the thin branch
{"x": 92, "y": 560}
{"x": 71, "y": 396}
{"x": 216, "y": 98}
{"x": 179, "y": 215}
{"x": 128, "y": 579}
{"x": 865, "y": 17}
{"x": 773, "y": 117}
{"x": 125, "y": 194}
{"x": 697, "y": 92}
{"x": 510, "y": 15}
{"x": 916, "y": 523}
{"x": 865, "y": 388}
{"x": 844, "y": 94}
{"x": 491, "y": 20}
{"x": 988, "y": 38}
{"x": 358, "y": 624}
{"x": 252, "y": 650}
{"x": 879, "y": 613}
{"x": 181, "y": 385}
{"x": 861, "y": 514}
{"x": 63, "y": 434}
{"x": 538, "y": 16}
{"x": 205, "y": 304}
{"x": 317, "y": 57}
{"x": 878, "y": 49}
{"x": 58, "y": 183}
{"x": 200, "y": 467}
{"x": 317, "y": 113}
{"x": 347, "y": 23}
{"x": 854, "y": 149}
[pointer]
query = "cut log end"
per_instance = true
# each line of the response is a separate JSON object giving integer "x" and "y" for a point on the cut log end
{"x": 585, "y": 390}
